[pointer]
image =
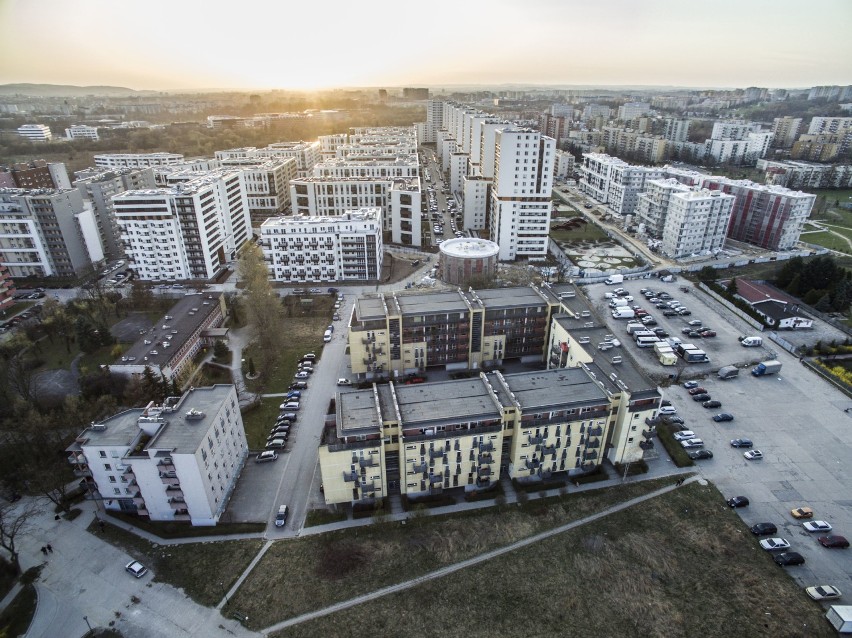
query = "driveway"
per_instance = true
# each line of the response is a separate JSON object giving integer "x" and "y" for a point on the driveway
{"x": 84, "y": 576}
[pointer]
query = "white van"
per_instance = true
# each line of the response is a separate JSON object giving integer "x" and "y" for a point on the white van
{"x": 751, "y": 342}
{"x": 647, "y": 342}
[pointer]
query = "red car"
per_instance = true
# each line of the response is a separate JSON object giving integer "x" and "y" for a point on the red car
{"x": 837, "y": 542}
{"x": 708, "y": 333}
{"x": 695, "y": 391}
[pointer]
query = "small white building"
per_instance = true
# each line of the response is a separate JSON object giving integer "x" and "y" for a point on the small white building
{"x": 35, "y": 132}
{"x": 137, "y": 160}
{"x": 82, "y": 132}
{"x": 176, "y": 462}
{"x": 345, "y": 247}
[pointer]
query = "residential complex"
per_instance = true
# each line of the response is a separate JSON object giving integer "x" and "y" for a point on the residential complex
{"x": 785, "y": 130}
{"x": 267, "y": 183}
{"x": 188, "y": 231}
{"x": 47, "y": 233}
{"x": 696, "y": 223}
{"x": 346, "y": 247}
{"x": 34, "y": 174}
{"x": 793, "y": 174}
{"x": 171, "y": 343}
{"x": 534, "y": 426}
{"x": 306, "y": 154}
{"x": 82, "y": 132}
{"x": 179, "y": 461}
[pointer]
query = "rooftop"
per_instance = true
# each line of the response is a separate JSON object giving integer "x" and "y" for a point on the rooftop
{"x": 545, "y": 390}
{"x": 446, "y": 401}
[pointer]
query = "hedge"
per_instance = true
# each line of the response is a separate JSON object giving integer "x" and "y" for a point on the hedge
{"x": 674, "y": 448}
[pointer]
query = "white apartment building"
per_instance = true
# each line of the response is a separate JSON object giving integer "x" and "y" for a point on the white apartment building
{"x": 267, "y": 184}
{"x": 99, "y": 186}
{"x": 592, "y": 111}
{"x": 330, "y": 143}
{"x": 615, "y": 182}
{"x": 446, "y": 146}
{"x": 653, "y": 204}
{"x": 745, "y": 151}
{"x": 137, "y": 160}
{"x": 82, "y": 132}
{"x": 793, "y": 174}
{"x": 347, "y": 247}
{"x": 520, "y": 195}
{"x": 629, "y": 110}
{"x": 306, "y": 154}
{"x": 398, "y": 199}
{"x": 477, "y": 197}
{"x": 458, "y": 171}
{"x": 833, "y": 125}
{"x": 696, "y": 222}
{"x": 190, "y": 230}
{"x": 564, "y": 166}
{"x": 676, "y": 129}
{"x": 376, "y": 167}
{"x": 733, "y": 130}
{"x": 35, "y": 132}
{"x": 47, "y": 233}
{"x": 175, "y": 462}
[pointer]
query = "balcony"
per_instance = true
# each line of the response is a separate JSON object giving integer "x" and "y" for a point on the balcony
{"x": 142, "y": 511}
{"x": 422, "y": 467}
{"x": 182, "y": 516}
{"x": 486, "y": 447}
{"x": 177, "y": 504}
{"x": 350, "y": 477}
{"x": 485, "y": 459}
{"x": 536, "y": 440}
{"x": 648, "y": 434}
{"x": 532, "y": 464}
{"x": 437, "y": 454}
{"x": 139, "y": 502}
{"x": 587, "y": 466}
{"x": 170, "y": 480}
{"x": 436, "y": 478}
{"x": 367, "y": 462}
{"x": 482, "y": 482}
{"x": 548, "y": 449}
{"x": 593, "y": 444}
{"x": 484, "y": 471}
{"x": 596, "y": 431}
{"x": 646, "y": 445}
{"x": 590, "y": 455}
{"x": 166, "y": 466}
{"x": 174, "y": 492}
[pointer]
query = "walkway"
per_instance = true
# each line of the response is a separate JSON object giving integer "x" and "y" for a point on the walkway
{"x": 476, "y": 560}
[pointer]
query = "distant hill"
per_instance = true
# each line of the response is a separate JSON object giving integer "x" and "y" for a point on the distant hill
{"x": 66, "y": 90}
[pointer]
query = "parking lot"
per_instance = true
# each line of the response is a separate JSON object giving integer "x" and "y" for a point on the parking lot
{"x": 723, "y": 349}
{"x": 797, "y": 420}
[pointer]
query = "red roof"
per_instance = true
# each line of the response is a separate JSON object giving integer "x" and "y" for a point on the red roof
{"x": 754, "y": 292}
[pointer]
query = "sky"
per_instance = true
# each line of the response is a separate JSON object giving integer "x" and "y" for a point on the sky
{"x": 310, "y": 44}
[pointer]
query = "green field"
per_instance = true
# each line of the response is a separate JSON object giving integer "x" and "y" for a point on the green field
{"x": 585, "y": 232}
{"x": 826, "y": 239}
{"x": 831, "y": 212}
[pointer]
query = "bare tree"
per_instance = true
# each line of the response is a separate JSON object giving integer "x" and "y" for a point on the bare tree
{"x": 263, "y": 308}
{"x": 15, "y": 523}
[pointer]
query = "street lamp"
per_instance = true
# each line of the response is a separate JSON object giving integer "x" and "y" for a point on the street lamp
{"x": 86, "y": 618}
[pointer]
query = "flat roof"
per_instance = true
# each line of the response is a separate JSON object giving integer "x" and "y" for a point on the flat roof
{"x": 179, "y": 324}
{"x": 445, "y": 401}
{"x": 551, "y": 389}
{"x": 184, "y": 435}
{"x": 356, "y": 410}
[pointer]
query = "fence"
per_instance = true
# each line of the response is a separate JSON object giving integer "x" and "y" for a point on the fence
{"x": 789, "y": 347}
{"x": 742, "y": 315}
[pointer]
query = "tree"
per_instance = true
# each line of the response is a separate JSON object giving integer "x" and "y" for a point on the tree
{"x": 708, "y": 273}
{"x": 50, "y": 476}
{"x": 823, "y": 304}
{"x": 15, "y": 523}
{"x": 263, "y": 307}
{"x": 220, "y": 350}
{"x": 732, "y": 286}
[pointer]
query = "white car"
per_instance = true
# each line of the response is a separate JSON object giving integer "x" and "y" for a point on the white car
{"x": 344, "y": 381}
{"x": 823, "y": 592}
{"x": 774, "y": 544}
{"x": 753, "y": 455}
{"x": 668, "y": 409}
{"x": 691, "y": 443}
{"x": 683, "y": 436}
{"x": 136, "y": 568}
{"x": 817, "y": 526}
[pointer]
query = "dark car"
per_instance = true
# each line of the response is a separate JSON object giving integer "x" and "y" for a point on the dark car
{"x": 738, "y": 501}
{"x": 694, "y": 334}
{"x": 669, "y": 313}
{"x": 698, "y": 390}
{"x": 684, "y": 312}
{"x": 299, "y": 385}
{"x": 764, "y": 529}
{"x": 701, "y": 397}
{"x": 789, "y": 558}
{"x": 837, "y": 542}
{"x": 708, "y": 333}
{"x": 662, "y": 334}
{"x": 712, "y": 404}
{"x": 687, "y": 330}
{"x": 697, "y": 455}
{"x": 723, "y": 416}
{"x": 741, "y": 443}
{"x": 672, "y": 419}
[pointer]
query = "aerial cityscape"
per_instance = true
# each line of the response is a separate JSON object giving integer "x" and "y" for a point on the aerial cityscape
{"x": 320, "y": 320}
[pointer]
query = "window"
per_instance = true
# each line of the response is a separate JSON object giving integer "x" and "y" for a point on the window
{"x": 116, "y": 491}
{"x": 102, "y": 454}
{"x": 107, "y": 467}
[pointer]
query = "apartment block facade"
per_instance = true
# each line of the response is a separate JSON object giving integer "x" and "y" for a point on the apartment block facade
{"x": 267, "y": 183}
{"x": 35, "y": 132}
{"x": 785, "y": 131}
{"x": 797, "y": 175}
{"x": 189, "y": 231}
{"x": 99, "y": 186}
{"x": 47, "y": 233}
{"x": 696, "y": 222}
{"x": 82, "y": 132}
{"x": 346, "y": 247}
{"x": 137, "y": 160}
{"x": 179, "y": 461}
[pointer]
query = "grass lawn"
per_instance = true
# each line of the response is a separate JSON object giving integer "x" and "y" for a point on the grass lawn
{"x": 101, "y": 356}
{"x": 54, "y": 354}
{"x": 16, "y": 618}
{"x": 585, "y": 232}
{"x": 678, "y": 565}
{"x": 259, "y": 419}
{"x": 827, "y": 239}
{"x": 300, "y": 575}
{"x": 17, "y": 308}
{"x": 205, "y": 571}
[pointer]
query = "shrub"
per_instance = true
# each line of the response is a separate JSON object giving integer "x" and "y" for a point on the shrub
{"x": 633, "y": 468}
{"x": 595, "y": 475}
{"x": 674, "y": 448}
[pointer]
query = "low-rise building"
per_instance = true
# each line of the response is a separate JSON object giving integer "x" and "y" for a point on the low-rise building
{"x": 170, "y": 344}
{"x": 347, "y": 247}
{"x": 176, "y": 462}
{"x": 35, "y": 132}
{"x": 136, "y": 160}
{"x": 82, "y": 132}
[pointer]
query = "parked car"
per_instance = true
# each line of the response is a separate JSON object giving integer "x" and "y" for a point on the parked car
{"x": 684, "y": 312}
{"x": 299, "y": 385}
{"x": 683, "y": 436}
{"x": 136, "y": 568}
{"x": 707, "y": 334}
{"x": 692, "y": 443}
{"x": 672, "y": 419}
{"x": 774, "y": 544}
{"x": 764, "y": 529}
{"x": 697, "y": 455}
{"x": 294, "y": 394}
{"x": 741, "y": 443}
{"x": 695, "y": 322}
{"x": 753, "y": 455}
{"x": 817, "y": 526}
{"x": 712, "y": 404}
{"x": 668, "y": 409}
{"x": 834, "y": 541}
{"x": 802, "y": 512}
{"x": 789, "y": 558}
{"x": 723, "y": 416}
{"x": 669, "y": 313}
{"x": 823, "y": 592}
{"x": 302, "y": 375}
{"x": 689, "y": 385}
{"x": 276, "y": 443}
{"x": 701, "y": 397}
{"x": 343, "y": 381}
{"x": 737, "y": 501}
{"x": 309, "y": 357}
